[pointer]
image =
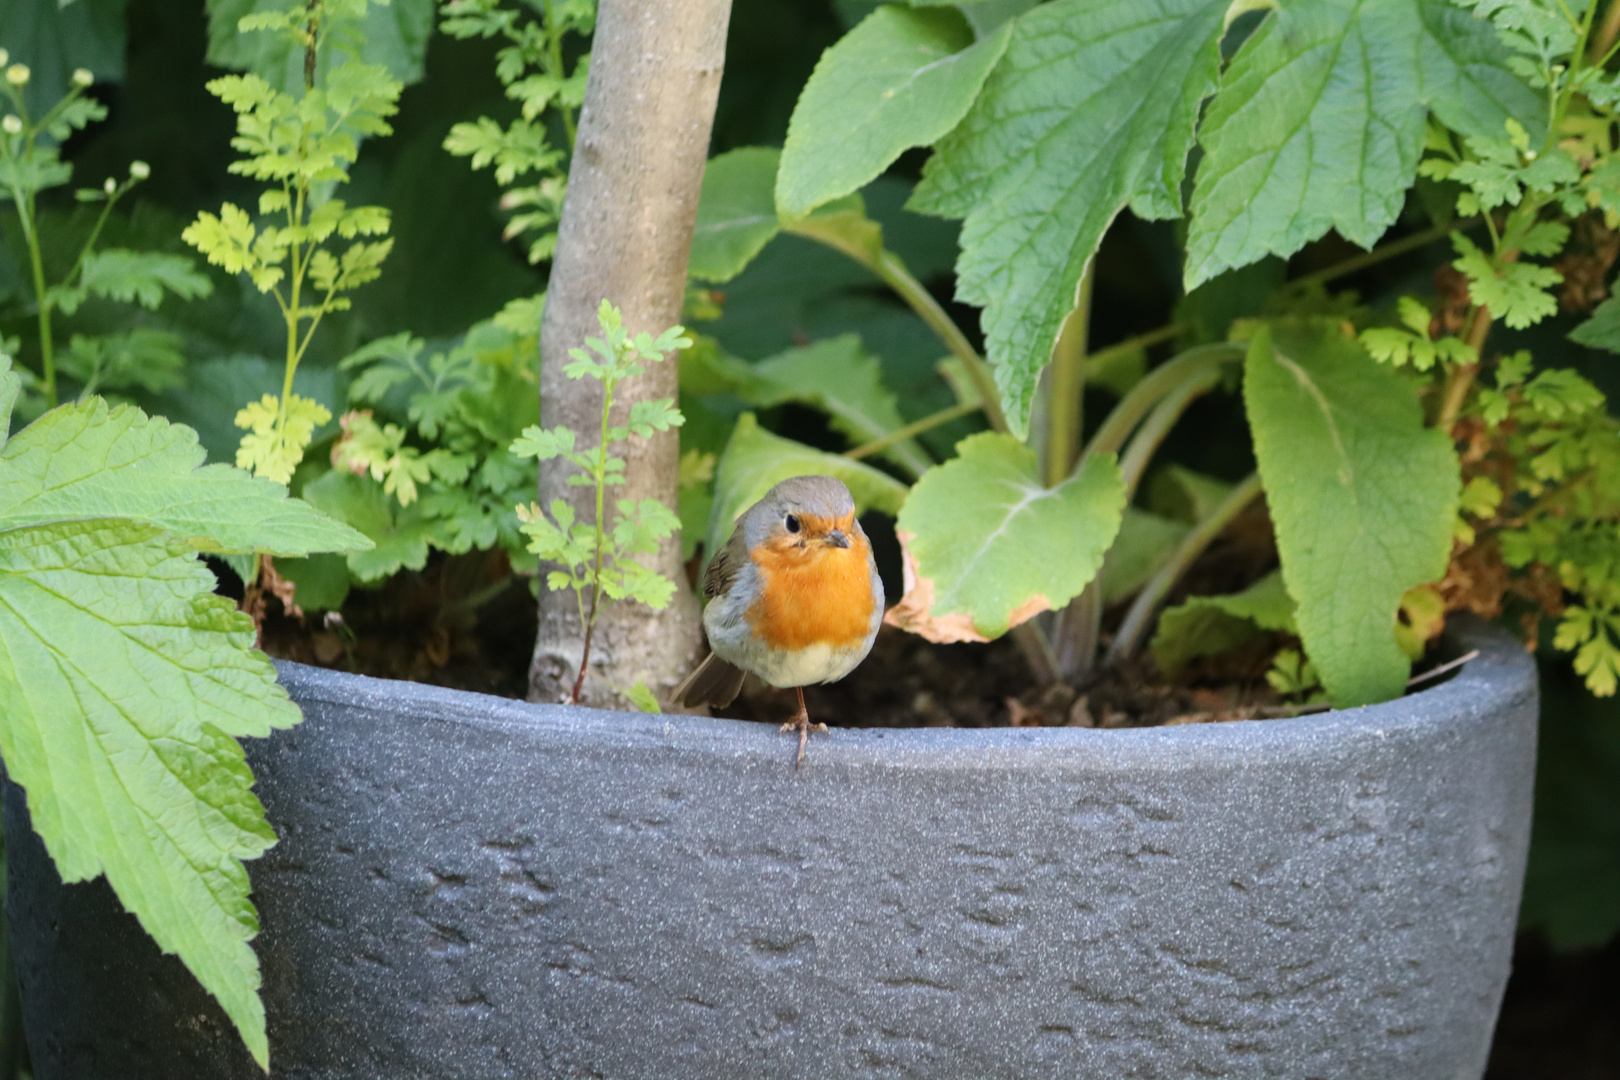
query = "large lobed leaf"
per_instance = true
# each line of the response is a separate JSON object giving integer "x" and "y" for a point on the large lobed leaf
{"x": 901, "y": 78}
{"x": 756, "y": 461}
{"x": 988, "y": 546}
{"x": 86, "y": 461}
{"x": 124, "y": 680}
{"x": 1092, "y": 107}
{"x": 1319, "y": 123}
{"x": 1363, "y": 498}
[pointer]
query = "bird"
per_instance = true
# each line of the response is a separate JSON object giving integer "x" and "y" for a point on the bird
{"x": 794, "y": 597}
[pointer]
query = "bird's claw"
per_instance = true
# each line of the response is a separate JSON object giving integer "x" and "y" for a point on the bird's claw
{"x": 801, "y": 723}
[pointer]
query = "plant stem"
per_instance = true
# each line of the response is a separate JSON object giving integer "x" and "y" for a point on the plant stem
{"x": 596, "y": 575}
{"x": 1038, "y": 651}
{"x": 916, "y": 427}
{"x": 555, "y": 70}
{"x": 1157, "y": 425}
{"x": 1131, "y": 344}
{"x": 1190, "y": 366}
{"x": 1386, "y": 251}
{"x": 312, "y": 47}
{"x": 46, "y": 352}
{"x": 1080, "y": 624}
{"x": 1153, "y": 593}
{"x": 1075, "y": 633}
{"x": 1066, "y": 385}
{"x": 893, "y": 273}
{"x": 1607, "y": 34}
{"x": 897, "y": 277}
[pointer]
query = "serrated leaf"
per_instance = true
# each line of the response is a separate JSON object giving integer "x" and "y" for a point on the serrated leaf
{"x": 1091, "y": 108}
{"x": 755, "y": 461}
{"x": 276, "y": 435}
{"x": 88, "y": 461}
{"x": 1320, "y": 121}
{"x": 1205, "y": 625}
{"x": 1362, "y": 497}
{"x": 400, "y": 535}
{"x": 142, "y": 276}
{"x": 1516, "y": 292}
{"x": 901, "y": 78}
{"x": 122, "y": 681}
{"x": 988, "y": 546}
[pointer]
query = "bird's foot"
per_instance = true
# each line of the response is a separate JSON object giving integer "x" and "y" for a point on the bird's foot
{"x": 800, "y": 722}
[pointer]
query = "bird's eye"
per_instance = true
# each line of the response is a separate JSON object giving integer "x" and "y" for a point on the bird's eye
{"x": 792, "y": 523}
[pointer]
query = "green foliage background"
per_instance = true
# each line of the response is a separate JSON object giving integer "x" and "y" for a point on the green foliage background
{"x": 451, "y": 274}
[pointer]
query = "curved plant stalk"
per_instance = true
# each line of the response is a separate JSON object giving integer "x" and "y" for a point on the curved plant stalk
{"x": 892, "y": 271}
{"x": 1066, "y": 382}
{"x": 626, "y": 233}
{"x": 916, "y": 427}
{"x": 1142, "y": 609}
{"x": 1145, "y": 443}
{"x": 1079, "y": 626}
{"x": 1190, "y": 366}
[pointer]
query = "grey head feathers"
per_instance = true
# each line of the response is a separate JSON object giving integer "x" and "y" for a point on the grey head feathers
{"x": 820, "y": 496}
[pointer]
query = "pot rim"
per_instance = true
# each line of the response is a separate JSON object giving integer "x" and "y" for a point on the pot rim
{"x": 1503, "y": 669}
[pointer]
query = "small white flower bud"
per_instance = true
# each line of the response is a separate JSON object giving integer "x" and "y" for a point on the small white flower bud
{"x": 82, "y": 77}
{"x": 18, "y": 74}
{"x": 109, "y": 187}
{"x": 12, "y": 125}
{"x": 140, "y": 170}
{"x": 4, "y": 56}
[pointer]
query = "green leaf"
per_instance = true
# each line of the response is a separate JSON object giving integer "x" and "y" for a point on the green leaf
{"x": 394, "y": 35}
{"x": 1362, "y": 496}
{"x": 142, "y": 276}
{"x": 642, "y": 699}
{"x": 1092, "y": 107}
{"x": 1517, "y": 293}
{"x": 1144, "y": 545}
{"x": 10, "y": 387}
{"x": 900, "y": 79}
{"x": 320, "y": 582}
{"x": 756, "y": 461}
{"x": 400, "y": 535}
{"x": 122, "y": 681}
{"x": 988, "y": 546}
{"x": 1204, "y": 625}
{"x": 1319, "y": 123}
{"x": 1602, "y": 330}
{"x": 837, "y": 376}
{"x": 736, "y": 214}
{"x": 86, "y": 461}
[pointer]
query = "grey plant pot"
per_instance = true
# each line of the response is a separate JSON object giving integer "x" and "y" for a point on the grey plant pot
{"x": 474, "y": 887}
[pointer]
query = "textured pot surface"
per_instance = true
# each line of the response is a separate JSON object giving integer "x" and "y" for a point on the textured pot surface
{"x": 474, "y": 887}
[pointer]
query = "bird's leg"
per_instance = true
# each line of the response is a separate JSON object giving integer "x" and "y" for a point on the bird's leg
{"x": 800, "y": 722}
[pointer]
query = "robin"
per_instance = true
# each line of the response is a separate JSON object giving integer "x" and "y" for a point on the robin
{"x": 794, "y": 597}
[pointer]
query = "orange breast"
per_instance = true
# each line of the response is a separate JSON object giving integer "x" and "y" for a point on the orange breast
{"x": 817, "y": 596}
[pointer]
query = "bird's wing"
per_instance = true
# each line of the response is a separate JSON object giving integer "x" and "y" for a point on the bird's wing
{"x": 724, "y": 566}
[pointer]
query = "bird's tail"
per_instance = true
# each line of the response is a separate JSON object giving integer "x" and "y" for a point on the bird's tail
{"x": 715, "y": 682}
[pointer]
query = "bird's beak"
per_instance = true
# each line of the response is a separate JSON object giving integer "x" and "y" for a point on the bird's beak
{"x": 837, "y": 539}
